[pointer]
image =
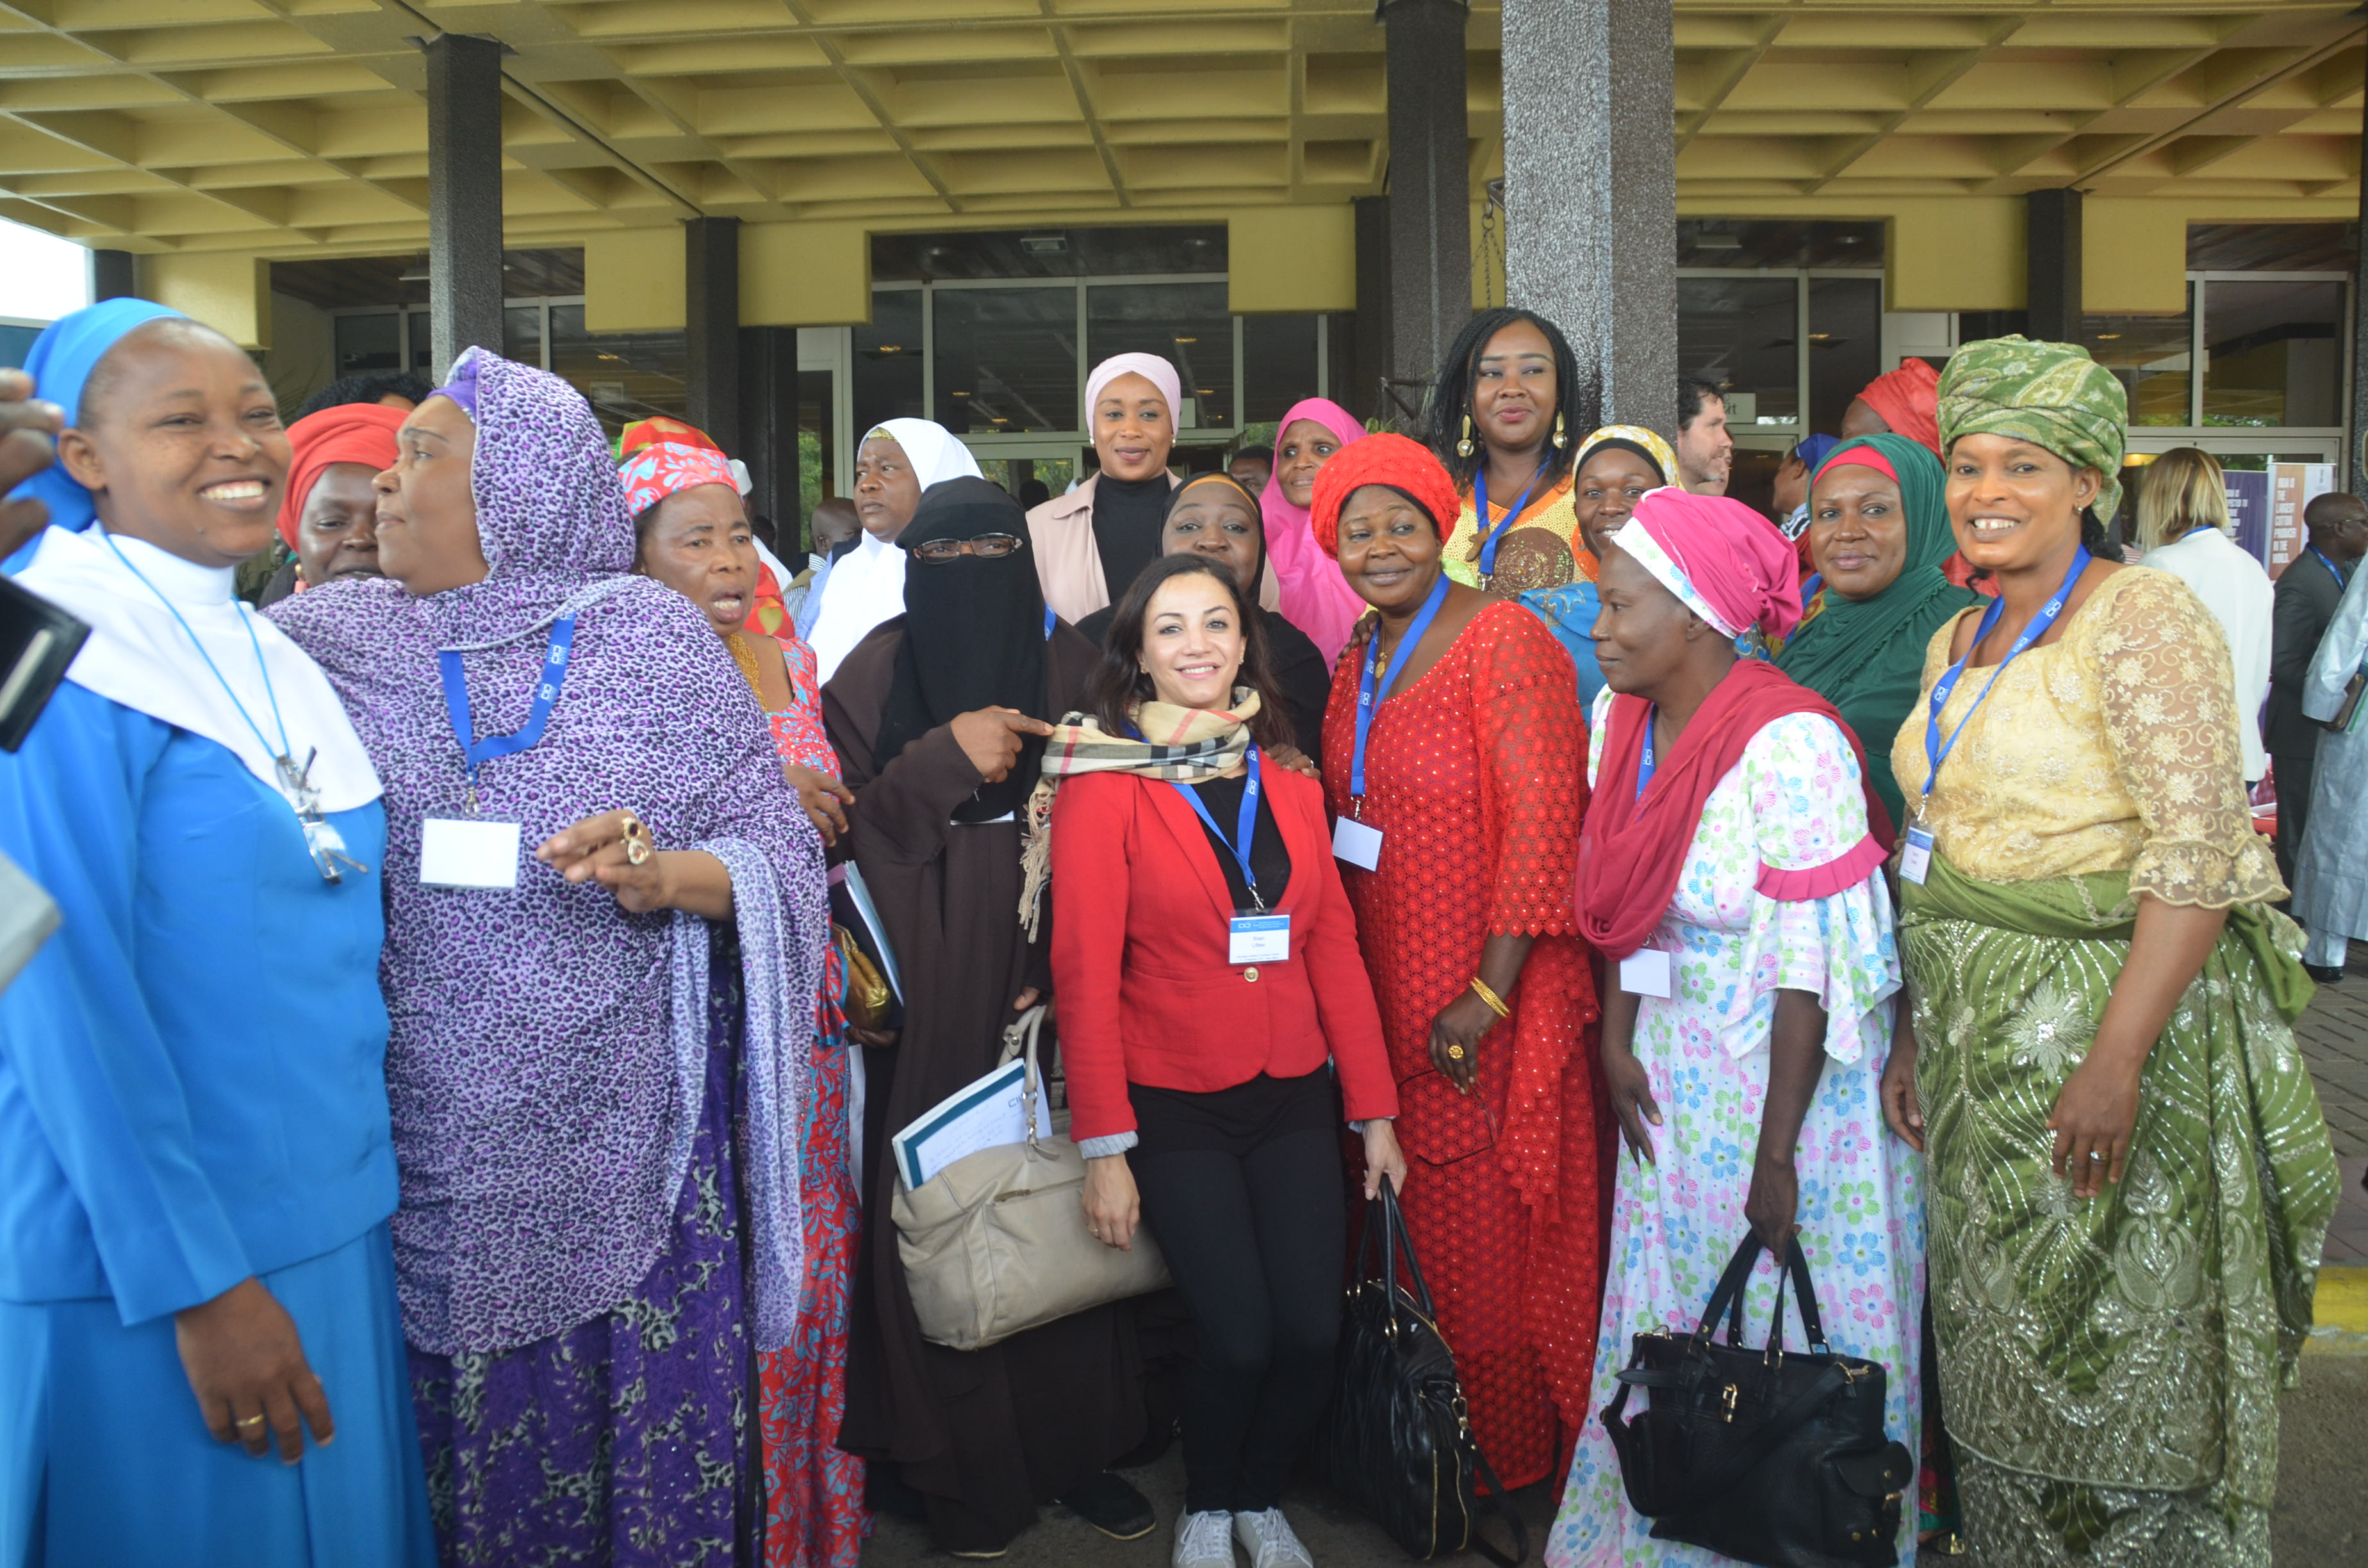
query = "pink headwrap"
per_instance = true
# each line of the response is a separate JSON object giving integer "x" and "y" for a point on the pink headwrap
{"x": 1724, "y": 561}
{"x": 1151, "y": 367}
{"x": 1315, "y": 597}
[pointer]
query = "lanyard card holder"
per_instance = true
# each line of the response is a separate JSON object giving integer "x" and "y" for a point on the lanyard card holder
{"x": 1258, "y": 936}
{"x": 468, "y": 852}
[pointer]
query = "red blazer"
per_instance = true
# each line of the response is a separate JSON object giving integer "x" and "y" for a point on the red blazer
{"x": 1139, "y": 945}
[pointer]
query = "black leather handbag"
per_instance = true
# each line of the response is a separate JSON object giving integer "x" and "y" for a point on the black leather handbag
{"x": 1773, "y": 1456}
{"x": 1397, "y": 1439}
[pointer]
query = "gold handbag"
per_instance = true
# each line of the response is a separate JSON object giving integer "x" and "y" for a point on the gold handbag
{"x": 868, "y": 996}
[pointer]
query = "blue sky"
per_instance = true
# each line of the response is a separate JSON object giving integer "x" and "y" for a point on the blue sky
{"x": 41, "y": 276}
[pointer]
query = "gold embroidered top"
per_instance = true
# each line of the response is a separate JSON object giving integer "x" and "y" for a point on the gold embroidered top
{"x": 2115, "y": 748}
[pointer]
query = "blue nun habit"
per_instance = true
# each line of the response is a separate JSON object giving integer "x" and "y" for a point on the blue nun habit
{"x": 191, "y": 1072}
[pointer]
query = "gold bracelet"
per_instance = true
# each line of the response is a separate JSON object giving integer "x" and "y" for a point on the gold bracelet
{"x": 1495, "y": 1002}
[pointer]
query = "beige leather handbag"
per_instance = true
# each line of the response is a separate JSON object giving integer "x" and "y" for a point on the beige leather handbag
{"x": 996, "y": 1244}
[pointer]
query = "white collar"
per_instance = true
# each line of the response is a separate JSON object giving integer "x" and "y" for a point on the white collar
{"x": 145, "y": 605}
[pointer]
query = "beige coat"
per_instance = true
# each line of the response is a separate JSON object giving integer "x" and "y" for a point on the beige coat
{"x": 1070, "y": 569}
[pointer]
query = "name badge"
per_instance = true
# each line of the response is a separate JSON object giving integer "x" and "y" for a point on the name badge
{"x": 1259, "y": 938}
{"x": 1917, "y": 857}
{"x": 1645, "y": 972}
{"x": 462, "y": 852}
{"x": 1358, "y": 845}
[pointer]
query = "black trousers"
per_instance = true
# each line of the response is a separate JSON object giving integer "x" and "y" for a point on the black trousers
{"x": 1244, "y": 1193}
{"x": 2293, "y": 773}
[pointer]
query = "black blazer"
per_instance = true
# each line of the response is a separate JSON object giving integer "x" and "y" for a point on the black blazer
{"x": 2306, "y": 595}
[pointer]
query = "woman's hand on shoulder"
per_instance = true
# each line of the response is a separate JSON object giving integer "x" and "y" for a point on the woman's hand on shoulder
{"x": 1113, "y": 1208}
{"x": 1297, "y": 761}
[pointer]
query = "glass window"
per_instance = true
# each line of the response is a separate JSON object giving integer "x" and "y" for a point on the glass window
{"x": 1186, "y": 324}
{"x": 2271, "y": 353}
{"x": 888, "y": 360}
{"x": 1278, "y": 365}
{"x": 1743, "y": 333}
{"x": 625, "y": 375}
{"x": 1845, "y": 345}
{"x": 422, "y": 328}
{"x": 522, "y": 333}
{"x": 1005, "y": 361}
{"x": 370, "y": 343}
{"x": 818, "y": 451}
{"x": 2150, "y": 355}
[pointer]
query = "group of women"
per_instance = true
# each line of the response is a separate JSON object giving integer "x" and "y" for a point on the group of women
{"x": 450, "y": 1046}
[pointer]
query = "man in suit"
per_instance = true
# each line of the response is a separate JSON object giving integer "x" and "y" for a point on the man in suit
{"x": 2307, "y": 592}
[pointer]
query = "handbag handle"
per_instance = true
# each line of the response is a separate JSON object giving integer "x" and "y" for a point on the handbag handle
{"x": 1398, "y": 1240}
{"x": 1019, "y": 1039}
{"x": 1727, "y": 1298}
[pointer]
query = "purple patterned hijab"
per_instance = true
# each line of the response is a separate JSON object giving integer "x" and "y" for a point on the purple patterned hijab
{"x": 546, "y": 1061}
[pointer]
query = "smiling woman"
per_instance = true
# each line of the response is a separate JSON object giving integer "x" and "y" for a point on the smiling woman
{"x": 195, "y": 1174}
{"x": 1495, "y": 419}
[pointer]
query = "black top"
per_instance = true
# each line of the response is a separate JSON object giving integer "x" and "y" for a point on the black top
{"x": 1269, "y": 857}
{"x": 1129, "y": 516}
{"x": 2304, "y": 604}
{"x": 1299, "y": 671}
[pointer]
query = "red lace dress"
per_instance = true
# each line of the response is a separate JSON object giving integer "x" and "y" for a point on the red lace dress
{"x": 815, "y": 1515}
{"x": 1476, "y": 776}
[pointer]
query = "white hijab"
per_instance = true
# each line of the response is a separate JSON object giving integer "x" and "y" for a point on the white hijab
{"x": 145, "y": 605}
{"x": 867, "y": 586}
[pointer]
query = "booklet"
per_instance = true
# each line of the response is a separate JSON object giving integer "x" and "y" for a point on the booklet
{"x": 987, "y": 1112}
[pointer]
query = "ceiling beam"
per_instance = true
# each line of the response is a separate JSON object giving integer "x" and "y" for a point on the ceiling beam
{"x": 1945, "y": 74}
{"x": 1076, "y": 74}
{"x": 861, "y": 88}
{"x": 1736, "y": 64}
{"x": 2234, "y": 98}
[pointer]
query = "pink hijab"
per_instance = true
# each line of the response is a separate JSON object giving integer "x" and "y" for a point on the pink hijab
{"x": 1315, "y": 597}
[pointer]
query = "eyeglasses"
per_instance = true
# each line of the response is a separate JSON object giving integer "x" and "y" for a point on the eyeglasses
{"x": 986, "y": 547}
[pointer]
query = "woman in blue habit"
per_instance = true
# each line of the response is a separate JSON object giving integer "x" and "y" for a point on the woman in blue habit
{"x": 197, "y": 1290}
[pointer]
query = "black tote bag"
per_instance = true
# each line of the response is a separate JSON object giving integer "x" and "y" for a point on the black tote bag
{"x": 1397, "y": 1439}
{"x": 1771, "y": 1457}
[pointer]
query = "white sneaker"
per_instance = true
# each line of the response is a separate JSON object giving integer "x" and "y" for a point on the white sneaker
{"x": 1202, "y": 1540}
{"x": 1269, "y": 1538}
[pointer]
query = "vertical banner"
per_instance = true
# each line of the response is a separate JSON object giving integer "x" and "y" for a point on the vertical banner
{"x": 2293, "y": 486}
{"x": 2248, "y": 508}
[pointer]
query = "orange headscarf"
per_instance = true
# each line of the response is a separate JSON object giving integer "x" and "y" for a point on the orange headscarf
{"x": 349, "y": 433}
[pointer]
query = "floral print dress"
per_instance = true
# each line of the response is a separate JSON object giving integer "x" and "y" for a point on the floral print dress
{"x": 1793, "y": 804}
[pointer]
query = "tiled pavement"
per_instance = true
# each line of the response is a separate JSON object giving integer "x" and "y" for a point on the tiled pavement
{"x": 2333, "y": 1035}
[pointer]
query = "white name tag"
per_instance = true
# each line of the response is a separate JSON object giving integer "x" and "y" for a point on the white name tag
{"x": 1915, "y": 859}
{"x": 461, "y": 852}
{"x": 1259, "y": 938}
{"x": 1645, "y": 972}
{"x": 1354, "y": 841}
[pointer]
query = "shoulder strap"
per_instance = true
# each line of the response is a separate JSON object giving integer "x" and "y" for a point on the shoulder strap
{"x": 1505, "y": 1510}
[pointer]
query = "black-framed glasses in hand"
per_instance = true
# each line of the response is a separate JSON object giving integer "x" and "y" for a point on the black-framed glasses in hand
{"x": 986, "y": 547}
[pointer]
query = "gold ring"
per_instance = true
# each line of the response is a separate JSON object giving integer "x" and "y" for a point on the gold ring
{"x": 1455, "y": 1053}
{"x": 250, "y": 1420}
{"x": 637, "y": 851}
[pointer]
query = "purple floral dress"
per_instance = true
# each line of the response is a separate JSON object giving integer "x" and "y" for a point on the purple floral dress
{"x": 1793, "y": 803}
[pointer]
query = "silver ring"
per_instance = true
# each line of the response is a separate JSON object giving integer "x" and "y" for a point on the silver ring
{"x": 2095, "y": 1154}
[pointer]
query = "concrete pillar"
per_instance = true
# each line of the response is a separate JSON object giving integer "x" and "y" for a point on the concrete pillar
{"x": 112, "y": 276}
{"x": 1591, "y": 198}
{"x": 1430, "y": 195}
{"x": 767, "y": 358}
{"x": 464, "y": 195}
{"x": 711, "y": 260}
{"x": 1369, "y": 348}
{"x": 2052, "y": 248}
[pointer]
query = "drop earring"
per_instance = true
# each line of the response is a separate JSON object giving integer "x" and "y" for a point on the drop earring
{"x": 1464, "y": 447}
{"x": 1560, "y": 440}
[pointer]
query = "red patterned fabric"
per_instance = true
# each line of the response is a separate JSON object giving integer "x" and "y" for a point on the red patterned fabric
{"x": 1476, "y": 777}
{"x": 815, "y": 1515}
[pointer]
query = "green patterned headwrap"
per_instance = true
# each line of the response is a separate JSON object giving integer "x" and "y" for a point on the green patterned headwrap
{"x": 2051, "y": 394}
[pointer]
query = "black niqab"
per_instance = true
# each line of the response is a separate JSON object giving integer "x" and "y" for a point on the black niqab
{"x": 973, "y": 635}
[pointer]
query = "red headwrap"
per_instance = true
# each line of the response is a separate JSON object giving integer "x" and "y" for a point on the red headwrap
{"x": 1726, "y": 558}
{"x": 351, "y": 433}
{"x": 1909, "y": 400}
{"x": 1393, "y": 461}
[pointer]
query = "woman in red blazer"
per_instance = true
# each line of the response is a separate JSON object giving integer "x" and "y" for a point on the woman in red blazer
{"x": 1197, "y": 1044}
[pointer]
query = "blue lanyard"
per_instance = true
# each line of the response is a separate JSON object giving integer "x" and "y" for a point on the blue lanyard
{"x": 1490, "y": 536}
{"x": 2332, "y": 570}
{"x": 546, "y": 692}
{"x": 1243, "y": 830}
{"x": 1934, "y": 751}
{"x": 1048, "y": 623}
{"x": 1645, "y": 763}
{"x": 284, "y": 758}
{"x": 1372, "y": 686}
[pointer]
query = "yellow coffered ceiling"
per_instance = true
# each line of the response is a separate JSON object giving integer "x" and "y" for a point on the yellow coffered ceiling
{"x": 288, "y": 128}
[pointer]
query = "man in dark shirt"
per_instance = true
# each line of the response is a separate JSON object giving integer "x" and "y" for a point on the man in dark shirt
{"x": 2307, "y": 592}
